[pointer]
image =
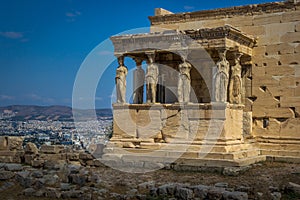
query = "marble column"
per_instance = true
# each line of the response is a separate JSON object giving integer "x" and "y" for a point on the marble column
{"x": 221, "y": 78}
{"x": 235, "y": 84}
{"x": 120, "y": 80}
{"x": 184, "y": 82}
{"x": 138, "y": 82}
{"x": 151, "y": 78}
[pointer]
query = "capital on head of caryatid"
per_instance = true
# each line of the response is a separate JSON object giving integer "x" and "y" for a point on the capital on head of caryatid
{"x": 120, "y": 60}
{"x": 151, "y": 56}
{"x": 138, "y": 61}
{"x": 222, "y": 53}
{"x": 237, "y": 56}
{"x": 183, "y": 53}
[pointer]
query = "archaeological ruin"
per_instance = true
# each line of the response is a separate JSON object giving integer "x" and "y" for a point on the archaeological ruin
{"x": 221, "y": 88}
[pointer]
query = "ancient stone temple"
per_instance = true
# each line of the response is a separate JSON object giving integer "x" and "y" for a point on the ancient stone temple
{"x": 221, "y": 88}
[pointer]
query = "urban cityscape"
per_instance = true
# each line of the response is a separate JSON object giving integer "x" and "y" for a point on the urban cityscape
{"x": 55, "y": 132}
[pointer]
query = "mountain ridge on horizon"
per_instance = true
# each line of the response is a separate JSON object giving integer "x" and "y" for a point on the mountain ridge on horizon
{"x": 53, "y": 112}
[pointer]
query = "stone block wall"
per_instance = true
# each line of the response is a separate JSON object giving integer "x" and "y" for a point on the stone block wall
{"x": 174, "y": 123}
{"x": 273, "y": 94}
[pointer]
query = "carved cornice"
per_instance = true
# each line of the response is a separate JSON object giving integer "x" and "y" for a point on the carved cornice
{"x": 208, "y": 38}
{"x": 224, "y": 12}
{"x": 222, "y": 32}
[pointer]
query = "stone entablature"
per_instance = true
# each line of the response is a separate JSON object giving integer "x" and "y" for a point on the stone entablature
{"x": 274, "y": 7}
{"x": 221, "y": 37}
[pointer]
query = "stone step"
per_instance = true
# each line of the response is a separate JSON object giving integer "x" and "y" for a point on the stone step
{"x": 135, "y": 160}
{"x": 191, "y": 147}
{"x": 221, "y": 162}
{"x": 217, "y": 146}
{"x": 184, "y": 154}
{"x": 271, "y": 140}
{"x": 289, "y": 159}
{"x": 286, "y": 147}
{"x": 251, "y": 160}
{"x": 282, "y": 153}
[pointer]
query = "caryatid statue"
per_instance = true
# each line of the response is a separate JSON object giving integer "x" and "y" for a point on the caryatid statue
{"x": 120, "y": 79}
{"x": 151, "y": 78}
{"x": 139, "y": 79}
{"x": 184, "y": 82}
{"x": 235, "y": 84}
{"x": 221, "y": 78}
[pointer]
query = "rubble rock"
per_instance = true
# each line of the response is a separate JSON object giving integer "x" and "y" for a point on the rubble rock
{"x": 162, "y": 190}
{"x": 294, "y": 187}
{"x": 13, "y": 167}
{"x": 235, "y": 196}
{"x": 184, "y": 193}
{"x": 51, "y": 180}
{"x": 243, "y": 189}
{"x": 39, "y": 193}
{"x": 146, "y": 185}
{"x": 52, "y": 193}
{"x": 6, "y": 175}
{"x": 73, "y": 169}
{"x": 3, "y": 143}
{"x": 71, "y": 194}
{"x": 29, "y": 192}
{"x": 65, "y": 186}
{"x": 221, "y": 185}
{"x": 23, "y": 179}
{"x": 2, "y": 165}
{"x": 29, "y": 158}
{"x": 231, "y": 171}
{"x": 276, "y": 195}
{"x": 85, "y": 156}
{"x": 77, "y": 179}
{"x": 6, "y": 185}
{"x": 37, "y": 163}
{"x": 201, "y": 191}
{"x": 153, "y": 192}
{"x": 51, "y": 149}
{"x": 40, "y": 183}
{"x": 215, "y": 193}
{"x": 37, "y": 174}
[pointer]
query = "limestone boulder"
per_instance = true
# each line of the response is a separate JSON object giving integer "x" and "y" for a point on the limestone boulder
{"x": 3, "y": 143}
{"x": 15, "y": 143}
{"x": 31, "y": 148}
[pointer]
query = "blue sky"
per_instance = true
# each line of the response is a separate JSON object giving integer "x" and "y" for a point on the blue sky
{"x": 43, "y": 43}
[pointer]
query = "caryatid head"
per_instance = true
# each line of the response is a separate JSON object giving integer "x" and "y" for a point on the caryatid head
{"x": 237, "y": 57}
{"x": 151, "y": 57}
{"x": 222, "y": 54}
{"x": 121, "y": 60}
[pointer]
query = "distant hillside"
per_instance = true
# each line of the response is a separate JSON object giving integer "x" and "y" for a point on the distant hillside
{"x": 59, "y": 113}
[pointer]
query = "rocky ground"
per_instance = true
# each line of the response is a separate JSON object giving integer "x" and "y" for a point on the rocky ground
{"x": 68, "y": 181}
